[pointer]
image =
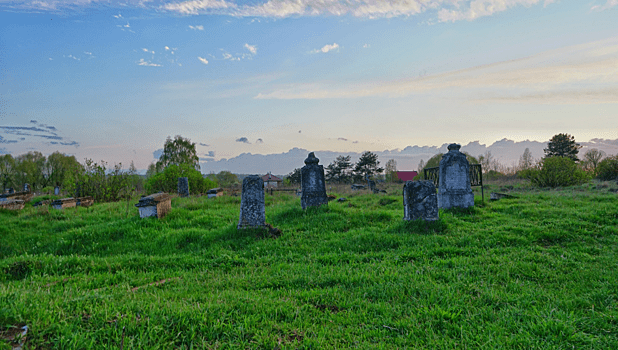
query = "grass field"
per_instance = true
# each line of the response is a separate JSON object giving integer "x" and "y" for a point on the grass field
{"x": 537, "y": 271}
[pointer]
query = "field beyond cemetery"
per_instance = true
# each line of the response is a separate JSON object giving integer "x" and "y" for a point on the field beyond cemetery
{"x": 536, "y": 271}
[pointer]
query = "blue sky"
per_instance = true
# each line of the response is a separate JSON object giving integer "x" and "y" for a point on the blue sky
{"x": 110, "y": 80}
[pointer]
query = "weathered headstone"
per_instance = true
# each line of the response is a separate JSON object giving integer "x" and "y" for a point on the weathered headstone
{"x": 215, "y": 192}
{"x": 312, "y": 183}
{"x": 26, "y": 188}
{"x": 57, "y": 190}
{"x": 64, "y": 203}
{"x": 156, "y": 205}
{"x": 420, "y": 201}
{"x": 11, "y": 190}
{"x": 454, "y": 190}
{"x": 183, "y": 186}
{"x": 252, "y": 207}
{"x": 78, "y": 189}
{"x": 12, "y": 204}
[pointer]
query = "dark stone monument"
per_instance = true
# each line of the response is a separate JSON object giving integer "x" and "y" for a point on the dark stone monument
{"x": 156, "y": 205}
{"x": 454, "y": 190}
{"x": 252, "y": 207}
{"x": 312, "y": 183}
{"x": 27, "y": 188}
{"x": 78, "y": 189}
{"x": 11, "y": 190}
{"x": 420, "y": 201}
{"x": 57, "y": 190}
{"x": 183, "y": 186}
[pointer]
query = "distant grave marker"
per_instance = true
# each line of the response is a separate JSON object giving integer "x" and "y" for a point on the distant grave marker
{"x": 420, "y": 201}
{"x": 313, "y": 184}
{"x": 183, "y": 186}
{"x": 64, "y": 203}
{"x": 454, "y": 189}
{"x": 252, "y": 205}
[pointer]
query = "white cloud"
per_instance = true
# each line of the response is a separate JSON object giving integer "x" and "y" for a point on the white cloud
{"x": 326, "y": 48}
{"x": 88, "y": 53}
{"x": 118, "y": 16}
{"x": 230, "y": 57}
{"x": 197, "y": 27}
{"x": 251, "y": 48}
{"x": 146, "y": 50}
{"x": 203, "y": 60}
{"x": 608, "y": 5}
{"x": 142, "y": 62}
{"x": 366, "y": 46}
{"x": 195, "y": 7}
{"x": 482, "y": 8}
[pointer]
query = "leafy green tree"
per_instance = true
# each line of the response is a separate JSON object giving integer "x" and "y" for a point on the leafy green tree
{"x": 562, "y": 145}
{"x": 101, "y": 183}
{"x": 390, "y": 169}
{"x": 339, "y": 170}
{"x": 294, "y": 176}
{"x": 57, "y": 166}
{"x": 167, "y": 180}
{"x": 608, "y": 168}
{"x": 227, "y": 179}
{"x": 29, "y": 169}
{"x": 367, "y": 166}
{"x": 556, "y": 172}
{"x": 7, "y": 171}
{"x": 178, "y": 151}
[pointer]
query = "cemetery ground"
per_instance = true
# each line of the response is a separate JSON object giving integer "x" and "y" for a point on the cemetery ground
{"x": 536, "y": 271}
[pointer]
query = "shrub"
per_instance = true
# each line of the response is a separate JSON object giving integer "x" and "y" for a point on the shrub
{"x": 102, "y": 184}
{"x": 608, "y": 168}
{"x": 555, "y": 172}
{"x": 167, "y": 180}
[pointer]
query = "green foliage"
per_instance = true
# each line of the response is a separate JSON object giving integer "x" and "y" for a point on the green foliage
{"x": 104, "y": 185}
{"x": 7, "y": 166}
{"x": 367, "y": 166}
{"x": 434, "y": 162}
{"x": 390, "y": 170}
{"x": 591, "y": 159}
{"x": 608, "y": 168}
{"x": 167, "y": 180}
{"x": 177, "y": 152}
{"x": 226, "y": 179}
{"x": 293, "y": 177}
{"x": 340, "y": 170}
{"x": 562, "y": 145}
{"x": 555, "y": 172}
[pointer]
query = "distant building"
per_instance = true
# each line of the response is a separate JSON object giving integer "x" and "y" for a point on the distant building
{"x": 406, "y": 175}
{"x": 271, "y": 181}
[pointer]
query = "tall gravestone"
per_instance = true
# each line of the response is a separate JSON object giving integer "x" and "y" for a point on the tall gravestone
{"x": 183, "y": 186}
{"x": 420, "y": 201}
{"x": 78, "y": 189}
{"x": 57, "y": 190}
{"x": 312, "y": 182}
{"x": 26, "y": 188}
{"x": 252, "y": 207}
{"x": 454, "y": 189}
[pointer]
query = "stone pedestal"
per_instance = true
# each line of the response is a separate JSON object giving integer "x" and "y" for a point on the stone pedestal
{"x": 313, "y": 184}
{"x": 156, "y": 205}
{"x": 420, "y": 201}
{"x": 252, "y": 207}
{"x": 454, "y": 189}
{"x": 183, "y": 186}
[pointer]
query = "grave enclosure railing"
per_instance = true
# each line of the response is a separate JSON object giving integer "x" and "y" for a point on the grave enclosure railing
{"x": 476, "y": 177}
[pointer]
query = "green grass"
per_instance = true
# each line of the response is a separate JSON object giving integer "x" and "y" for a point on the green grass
{"x": 538, "y": 271}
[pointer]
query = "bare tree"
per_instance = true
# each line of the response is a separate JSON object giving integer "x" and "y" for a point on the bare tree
{"x": 526, "y": 161}
{"x": 592, "y": 158}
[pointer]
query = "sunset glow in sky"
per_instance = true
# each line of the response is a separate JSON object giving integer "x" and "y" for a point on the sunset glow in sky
{"x": 110, "y": 80}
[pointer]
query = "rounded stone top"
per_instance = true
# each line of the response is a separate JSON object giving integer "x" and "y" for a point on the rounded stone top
{"x": 453, "y": 147}
{"x": 311, "y": 159}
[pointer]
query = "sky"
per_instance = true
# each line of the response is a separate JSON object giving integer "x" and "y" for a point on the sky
{"x": 111, "y": 80}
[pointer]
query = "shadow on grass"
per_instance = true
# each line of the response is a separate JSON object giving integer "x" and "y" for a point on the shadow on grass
{"x": 419, "y": 227}
{"x": 462, "y": 211}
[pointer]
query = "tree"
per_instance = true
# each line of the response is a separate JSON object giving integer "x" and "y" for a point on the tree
{"x": 56, "y": 168}
{"x": 226, "y": 179}
{"x": 367, "y": 166}
{"x": 29, "y": 169}
{"x": 608, "y": 168}
{"x": 178, "y": 151}
{"x": 294, "y": 176}
{"x": 391, "y": 170}
{"x": 167, "y": 180}
{"x": 557, "y": 172}
{"x": 526, "y": 161}
{"x": 7, "y": 170}
{"x": 339, "y": 170}
{"x": 562, "y": 145}
{"x": 591, "y": 160}
{"x": 421, "y": 166}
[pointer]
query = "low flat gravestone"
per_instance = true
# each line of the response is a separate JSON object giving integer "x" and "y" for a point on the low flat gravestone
{"x": 252, "y": 207}
{"x": 64, "y": 203}
{"x": 85, "y": 201}
{"x": 12, "y": 204}
{"x": 183, "y": 186}
{"x": 454, "y": 190}
{"x": 420, "y": 201}
{"x": 156, "y": 205}
{"x": 312, "y": 183}
{"x": 214, "y": 192}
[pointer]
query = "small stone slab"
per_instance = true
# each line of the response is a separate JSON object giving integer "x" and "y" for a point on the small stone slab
{"x": 156, "y": 205}
{"x": 214, "y": 192}
{"x": 183, "y": 186}
{"x": 85, "y": 201}
{"x": 24, "y": 196}
{"x": 64, "y": 203}
{"x": 41, "y": 203}
{"x": 494, "y": 196}
{"x": 420, "y": 201}
{"x": 12, "y": 204}
{"x": 252, "y": 204}
{"x": 357, "y": 187}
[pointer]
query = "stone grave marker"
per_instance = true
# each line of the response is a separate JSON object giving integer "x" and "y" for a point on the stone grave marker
{"x": 84, "y": 201}
{"x": 12, "y": 204}
{"x": 252, "y": 205}
{"x": 214, "y": 192}
{"x": 312, "y": 182}
{"x": 57, "y": 190}
{"x": 64, "y": 203}
{"x": 454, "y": 190}
{"x": 420, "y": 201}
{"x": 183, "y": 186}
{"x": 156, "y": 205}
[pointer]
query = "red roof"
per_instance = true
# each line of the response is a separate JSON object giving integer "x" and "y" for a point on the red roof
{"x": 270, "y": 177}
{"x": 406, "y": 175}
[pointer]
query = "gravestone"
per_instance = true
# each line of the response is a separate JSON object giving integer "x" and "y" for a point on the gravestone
{"x": 27, "y": 188}
{"x": 252, "y": 207}
{"x": 85, "y": 201}
{"x": 156, "y": 205}
{"x": 11, "y": 190}
{"x": 454, "y": 190}
{"x": 312, "y": 183}
{"x": 64, "y": 203}
{"x": 12, "y": 204}
{"x": 183, "y": 186}
{"x": 78, "y": 189}
{"x": 215, "y": 192}
{"x": 57, "y": 190}
{"x": 420, "y": 201}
